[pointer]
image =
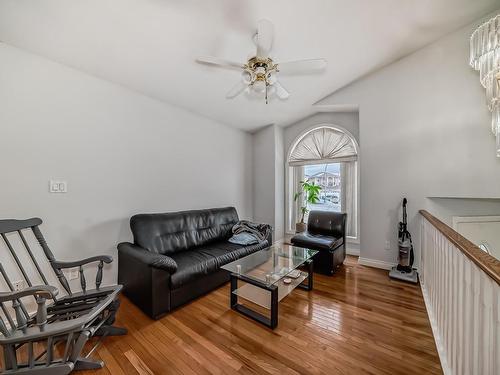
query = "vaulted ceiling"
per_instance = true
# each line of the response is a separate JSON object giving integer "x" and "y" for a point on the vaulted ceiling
{"x": 150, "y": 46}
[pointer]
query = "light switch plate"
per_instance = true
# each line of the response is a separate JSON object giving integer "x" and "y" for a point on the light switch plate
{"x": 58, "y": 186}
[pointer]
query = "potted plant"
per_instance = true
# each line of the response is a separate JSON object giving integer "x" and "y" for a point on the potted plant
{"x": 309, "y": 194}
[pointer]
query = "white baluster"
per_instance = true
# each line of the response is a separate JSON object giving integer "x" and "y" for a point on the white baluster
{"x": 487, "y": 294}
{"x": 496, "y": 329}
{"x": 476, "y": 318}
{"x": 466, "y": 309}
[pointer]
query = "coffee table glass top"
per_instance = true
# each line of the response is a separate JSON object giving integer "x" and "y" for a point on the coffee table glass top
{"x": 271, "y": 264}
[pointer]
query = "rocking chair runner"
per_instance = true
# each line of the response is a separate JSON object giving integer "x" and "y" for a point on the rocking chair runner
{"x": 70, "y": 320}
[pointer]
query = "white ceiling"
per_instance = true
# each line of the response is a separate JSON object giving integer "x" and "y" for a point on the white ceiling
{"x": 150, "y": 45}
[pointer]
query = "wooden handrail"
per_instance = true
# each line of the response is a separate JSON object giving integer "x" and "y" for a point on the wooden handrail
{"x": 489, "y": 264}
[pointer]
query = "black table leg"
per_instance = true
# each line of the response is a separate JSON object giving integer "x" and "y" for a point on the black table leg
{"x": 310, "y": 270}
{"x": 270, "y": 322}
{"x": 274, "y": 307}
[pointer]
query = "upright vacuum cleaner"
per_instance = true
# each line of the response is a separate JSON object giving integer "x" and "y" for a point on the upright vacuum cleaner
{"x": 404, "y": 270}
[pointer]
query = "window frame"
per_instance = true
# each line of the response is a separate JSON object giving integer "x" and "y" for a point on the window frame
{"x": 289, "y": 183}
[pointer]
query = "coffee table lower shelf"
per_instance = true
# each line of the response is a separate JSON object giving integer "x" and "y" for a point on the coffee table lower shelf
{"x": 267, "y": 296}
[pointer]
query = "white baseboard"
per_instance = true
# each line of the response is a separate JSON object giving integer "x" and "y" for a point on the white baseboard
{"x": 376, "y": 263}
{"x": 351, "y": 251}
{"x": 352, "y": 248}
{"x": 435, "y": 333}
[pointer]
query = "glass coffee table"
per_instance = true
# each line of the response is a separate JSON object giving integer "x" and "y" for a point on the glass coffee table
{"x": 267, "y": 276}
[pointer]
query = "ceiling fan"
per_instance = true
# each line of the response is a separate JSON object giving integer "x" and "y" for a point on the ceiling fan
{"x": 259, "y": 74}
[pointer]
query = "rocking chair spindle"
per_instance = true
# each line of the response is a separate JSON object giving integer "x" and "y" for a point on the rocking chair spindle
{"x": 28, "y": 250}
{"x": 11, "y": 287}
{"x": 41, "y": 313}
{"x": 18, "y": 262}
{"x": 3, "y": 328}
{"x": 83, "y": 282}
{"x": 98, "y": 278}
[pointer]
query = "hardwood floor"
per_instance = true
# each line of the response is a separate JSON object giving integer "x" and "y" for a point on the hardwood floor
{"x": 356, "y": 322}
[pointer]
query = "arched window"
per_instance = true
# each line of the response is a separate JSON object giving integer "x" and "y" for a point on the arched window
{"x": 327, "y": 156}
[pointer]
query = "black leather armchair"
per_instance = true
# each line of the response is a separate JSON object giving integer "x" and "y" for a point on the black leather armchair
{"x": 325, "y": 233}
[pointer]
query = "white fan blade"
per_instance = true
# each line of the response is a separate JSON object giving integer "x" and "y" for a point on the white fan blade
{"x": 236, "y": 90}
{"x": 302, "y": 66}
{"x": 281, "y": 91}
{"x": 264, "y": 40}
{"x": 210, "y": 60}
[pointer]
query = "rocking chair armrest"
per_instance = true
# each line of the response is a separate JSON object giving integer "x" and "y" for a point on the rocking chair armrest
{"x": 78, "y": 263}
{"x": 45, "y": 291}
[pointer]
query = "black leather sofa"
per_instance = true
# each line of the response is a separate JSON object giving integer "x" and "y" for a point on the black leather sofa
{"x": 325, "y": 233}
{"x": 176, "y": 257}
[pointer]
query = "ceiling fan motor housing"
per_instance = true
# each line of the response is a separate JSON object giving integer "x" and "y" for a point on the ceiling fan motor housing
{"x": 260, "y": 70}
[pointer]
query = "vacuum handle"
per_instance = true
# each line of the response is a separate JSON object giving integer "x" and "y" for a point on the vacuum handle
{"x": 405, "y": 202}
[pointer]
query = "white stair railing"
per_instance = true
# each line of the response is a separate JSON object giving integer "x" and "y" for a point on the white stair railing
{"x": 461, "y": 288}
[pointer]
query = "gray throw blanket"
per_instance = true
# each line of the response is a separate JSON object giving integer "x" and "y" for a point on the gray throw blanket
{"x": 244, "y": 229}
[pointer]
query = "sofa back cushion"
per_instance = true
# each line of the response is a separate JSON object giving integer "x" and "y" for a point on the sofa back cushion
{"x": 169, "y": 233}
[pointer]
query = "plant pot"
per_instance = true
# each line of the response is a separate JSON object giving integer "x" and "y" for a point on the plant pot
{"x": 300, "y": 227}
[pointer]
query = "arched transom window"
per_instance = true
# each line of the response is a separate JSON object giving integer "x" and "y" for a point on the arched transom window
{"x": 323, "y": 144}
{"x": 326, "y": 156}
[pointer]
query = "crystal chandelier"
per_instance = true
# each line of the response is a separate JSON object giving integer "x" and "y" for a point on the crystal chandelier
{"x": 485, "y": 57}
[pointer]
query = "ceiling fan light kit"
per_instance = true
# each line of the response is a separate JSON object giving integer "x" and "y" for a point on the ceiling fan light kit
{"x": 259, "y": 76}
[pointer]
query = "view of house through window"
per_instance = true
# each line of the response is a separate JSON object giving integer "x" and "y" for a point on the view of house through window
{"x": 327, "y": 176}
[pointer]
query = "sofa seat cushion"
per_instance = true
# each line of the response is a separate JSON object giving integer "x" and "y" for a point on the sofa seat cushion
{"x": 316, "y": 241}
{"x": 192, "y": 264}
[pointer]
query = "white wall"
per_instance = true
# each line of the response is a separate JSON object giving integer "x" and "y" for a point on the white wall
{"x": 279, "y": 188}
{"x": 269, "y": 178}
{"x": 122, "y": 153}
{"x": 264, "y": 175}
{"x": 445, "y": 208}
{"x": 424, "y": 131}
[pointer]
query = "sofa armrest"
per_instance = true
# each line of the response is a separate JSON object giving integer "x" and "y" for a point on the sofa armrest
{"x": 145, "y": 277}
{"x": 148, "y": 258}
{"x": 269, "y": 237}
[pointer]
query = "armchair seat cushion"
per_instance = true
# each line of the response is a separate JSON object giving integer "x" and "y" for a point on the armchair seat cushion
{"x": 207, "y": 259}
{"x": 316, "y": 241}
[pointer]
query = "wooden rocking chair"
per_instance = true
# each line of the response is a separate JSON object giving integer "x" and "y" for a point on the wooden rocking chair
{"x": 60, "y": 327}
